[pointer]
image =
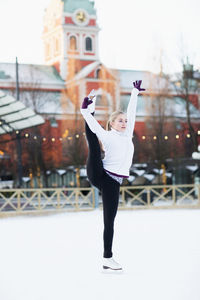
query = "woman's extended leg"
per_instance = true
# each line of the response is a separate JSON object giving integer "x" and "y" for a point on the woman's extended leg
{"x": 110, "y": 197}
{"x": 94, "y": 161}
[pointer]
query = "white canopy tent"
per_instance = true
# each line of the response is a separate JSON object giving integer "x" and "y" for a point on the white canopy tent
{"x": 14, "y": 115}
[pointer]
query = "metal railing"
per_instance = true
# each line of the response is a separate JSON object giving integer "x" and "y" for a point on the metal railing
{"x": 19, "y": 201}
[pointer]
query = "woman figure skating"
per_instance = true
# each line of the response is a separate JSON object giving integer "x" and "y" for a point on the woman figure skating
{"x": 108, "y": 174}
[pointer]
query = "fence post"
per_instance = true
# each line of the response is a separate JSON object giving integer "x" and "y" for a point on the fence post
{"x": 148, "y": 190}
{"x": 96, "y": 197}
{"x": 18, "y": 199}
{"x": 174, "y": 194}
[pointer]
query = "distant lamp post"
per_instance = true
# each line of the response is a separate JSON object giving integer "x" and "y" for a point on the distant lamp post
{"x": 18, "y": 137}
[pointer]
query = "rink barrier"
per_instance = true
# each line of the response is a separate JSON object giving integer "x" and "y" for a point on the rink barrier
{"x": 160, "y": 196}
{"x": 44, "y": 200}
{"x": 19, "y": 201}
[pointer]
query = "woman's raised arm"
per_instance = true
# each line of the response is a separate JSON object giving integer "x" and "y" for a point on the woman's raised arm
{"x": 131, "y": 110}
{"x": 94, "y": 126}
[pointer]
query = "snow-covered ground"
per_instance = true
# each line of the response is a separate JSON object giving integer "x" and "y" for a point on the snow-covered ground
{"x": 58, "y": 257}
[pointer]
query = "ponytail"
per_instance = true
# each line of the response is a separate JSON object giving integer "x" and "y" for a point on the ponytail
{"x": 108, "y": 126}
{"x": 112, "y": 118}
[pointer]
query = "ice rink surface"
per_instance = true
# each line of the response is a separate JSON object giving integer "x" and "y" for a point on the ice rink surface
{"x": 59, "y": 257}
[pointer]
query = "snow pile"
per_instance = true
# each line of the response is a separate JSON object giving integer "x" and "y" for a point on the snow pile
{"x": 58, "y": 257}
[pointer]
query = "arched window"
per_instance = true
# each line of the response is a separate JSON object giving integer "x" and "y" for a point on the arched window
{"x": 101, "y": 100}
{"x": 98, "y": 73}
{"x": 73, "y": 44}
{"x": 88, "y": 44}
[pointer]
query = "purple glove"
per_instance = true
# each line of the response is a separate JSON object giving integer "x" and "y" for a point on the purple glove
{"x": 137, "y": 85}
{"x": 86, "y": 102}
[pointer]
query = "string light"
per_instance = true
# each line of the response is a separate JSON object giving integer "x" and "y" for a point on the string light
{"x": 78, "y": 135}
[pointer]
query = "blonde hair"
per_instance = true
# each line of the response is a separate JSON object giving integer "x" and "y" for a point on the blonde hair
{"x": 112, "y": 118}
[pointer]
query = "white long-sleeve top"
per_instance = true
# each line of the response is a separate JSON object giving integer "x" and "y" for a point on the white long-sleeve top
{"x": 118, "y": 146}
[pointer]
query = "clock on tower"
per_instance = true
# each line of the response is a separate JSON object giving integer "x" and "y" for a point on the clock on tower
{"x": 81, "y": 17}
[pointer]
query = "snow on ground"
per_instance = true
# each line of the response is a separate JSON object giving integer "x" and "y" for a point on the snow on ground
{"x": 58, "y": 257}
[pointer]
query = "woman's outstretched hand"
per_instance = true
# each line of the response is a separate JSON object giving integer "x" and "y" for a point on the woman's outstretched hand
{"x": 86, "y": 102}
{"x": 137, "y": 85}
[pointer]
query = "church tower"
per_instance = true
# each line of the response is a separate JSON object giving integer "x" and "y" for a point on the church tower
{"x": 70, "y": 33}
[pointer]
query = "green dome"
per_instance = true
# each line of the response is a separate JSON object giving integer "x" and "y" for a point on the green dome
{"x": 71, "y": 5}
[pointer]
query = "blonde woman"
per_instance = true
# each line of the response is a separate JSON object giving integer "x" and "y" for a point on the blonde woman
{"x": 108, "y": 174}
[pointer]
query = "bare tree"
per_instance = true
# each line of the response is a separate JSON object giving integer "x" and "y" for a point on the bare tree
{"x": 187, "y": 86}
{"x": 39, "y": 153}
{"x": 160, "y": 123}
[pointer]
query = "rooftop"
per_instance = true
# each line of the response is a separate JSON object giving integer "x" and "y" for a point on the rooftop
{"x": 31, "y": 74}
{"x": 71, "y": 5}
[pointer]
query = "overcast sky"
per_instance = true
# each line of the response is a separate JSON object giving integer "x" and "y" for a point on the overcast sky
{"x": 132, "y": 36}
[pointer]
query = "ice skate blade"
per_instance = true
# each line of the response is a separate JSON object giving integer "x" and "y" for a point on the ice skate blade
{"x": 106, "y": 270}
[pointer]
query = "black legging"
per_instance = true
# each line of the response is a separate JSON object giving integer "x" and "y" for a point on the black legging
{"x": 108, "y": 187}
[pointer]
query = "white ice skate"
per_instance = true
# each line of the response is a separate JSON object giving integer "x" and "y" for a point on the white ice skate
{"x": 111, "y": 266}
{"x": 92, "y": 96}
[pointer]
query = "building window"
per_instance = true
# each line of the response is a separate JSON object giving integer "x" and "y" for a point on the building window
{"x": 98, "y": 73}
{"x": 88, "y": 44}
{"x": 53, "y": 122}
{"x": 73, "y": 43}
{"x": 101, "y": 100}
